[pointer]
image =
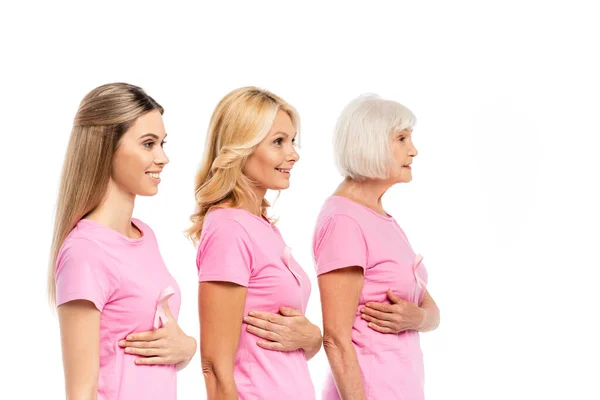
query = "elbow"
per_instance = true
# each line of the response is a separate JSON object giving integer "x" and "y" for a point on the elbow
{"x": 334, "y": 343}
{"x": 216, "y": 372}
{"x": 88, "y": 392}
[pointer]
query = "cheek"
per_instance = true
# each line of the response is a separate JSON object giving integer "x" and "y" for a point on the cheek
{"x": 129, "y": 166}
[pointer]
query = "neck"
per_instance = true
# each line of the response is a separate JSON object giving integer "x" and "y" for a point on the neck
{"x": 115, "y": 211}
{"x": 253, "y": 205}
{"x": 368, "y": 192}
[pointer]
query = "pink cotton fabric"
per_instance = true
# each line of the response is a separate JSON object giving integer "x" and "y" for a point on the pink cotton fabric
{"x": 237, "y": 246}
{"x": 125, "y": 279}
{"x": 350, "y": 234}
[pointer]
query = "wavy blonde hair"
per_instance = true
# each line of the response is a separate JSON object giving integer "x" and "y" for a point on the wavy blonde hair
{"x": 104, "y": 115}
{"x": 241, "y": 120}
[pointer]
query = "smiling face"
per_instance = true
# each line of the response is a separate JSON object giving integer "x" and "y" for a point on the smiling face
{"x": 273, "y": 159}
{"x": 140, "y": 157}
{"x": 403, "y": 152}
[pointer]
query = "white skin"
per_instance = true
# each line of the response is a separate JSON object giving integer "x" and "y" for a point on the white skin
{"x": 340, "y": 289}
{"x": 221, "y": 304}
{"x": 140, "y": 153}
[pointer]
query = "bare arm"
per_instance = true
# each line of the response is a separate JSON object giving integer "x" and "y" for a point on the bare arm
{"x": 340, "y": 292}
{"x": 221, "y": 309}
{"x": 432, "y": 313}
{"x": 80, "y": 337}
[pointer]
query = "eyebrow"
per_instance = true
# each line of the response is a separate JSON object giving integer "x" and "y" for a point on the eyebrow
{"x": 284, "y": 133}
{"x": 152, "y": 135}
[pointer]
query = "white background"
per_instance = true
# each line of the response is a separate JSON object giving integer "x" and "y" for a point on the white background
{"x": 504, "y": 201}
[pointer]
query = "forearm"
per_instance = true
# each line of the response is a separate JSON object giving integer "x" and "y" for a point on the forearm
{"x": 432, "y": 315}
{"x": 344, "y": 366}
{"x": 193, "y": 345}
{"x": 220, "y": 384}
{"x": 314, "y": 345}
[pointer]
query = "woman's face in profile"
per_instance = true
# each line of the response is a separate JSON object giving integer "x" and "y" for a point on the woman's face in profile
{"x": 140, "y": 157}
{"x": 271, "y": 163}
{"x": 403, "y": 152}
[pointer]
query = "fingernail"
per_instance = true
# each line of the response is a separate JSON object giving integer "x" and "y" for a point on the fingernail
{"x": 260, "y": 342}
{"x": 128, "y": 337}
{"x": 122, "y": 343}
{"x": 252, "y": 313}
{"x": 137, "y": 361}
{"x": 362, "y": 310}
{"x": 127, "y": 350}
{"x": 246, "y": 319}
{"x": 370, "y": 324}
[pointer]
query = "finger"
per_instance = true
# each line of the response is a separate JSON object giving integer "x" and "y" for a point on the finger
{"x": 261, "y": 323}
{"x": 152, "y": 352}
{"x": 271, "y": 345}
{"x": 384, "y": 316}
{"x": 393, "y": 298}
{"x": 267, "y": 316}
{"x": 380, "y": 329}
{"x": 146, "y": 336}
{"x": 152, "y": 361}
{"x": 382, "y": 323}
{"x": 380, "y": 307}
{"x": 290, "y": 312}
{"x": 142, "y": 345}
{"x": 168, "y": 312}
{"x": 263, "y": 334}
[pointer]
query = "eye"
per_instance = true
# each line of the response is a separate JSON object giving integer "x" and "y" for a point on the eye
{"x": 402, "y": 138}
{"x": 294, "y": 141}
{"x": 148, "y": 145}
{"x": 278, "y": 142}
{"x": 163, "y": 143}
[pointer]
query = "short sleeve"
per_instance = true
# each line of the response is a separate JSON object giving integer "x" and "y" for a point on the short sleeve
{"x": 225, "y": 253}
{"x": 339, "y": 243}
{"x": 84, "y": 272}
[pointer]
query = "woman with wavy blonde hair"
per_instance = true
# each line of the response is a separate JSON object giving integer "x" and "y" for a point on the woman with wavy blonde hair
{"x": 117, "y": 302}
{"x": 255, "y": 340}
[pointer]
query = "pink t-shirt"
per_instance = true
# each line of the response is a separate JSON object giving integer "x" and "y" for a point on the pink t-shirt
{"x": 350, "y": 234}
{"x": 237, "y": 246}
{"x": 124, "y": 279}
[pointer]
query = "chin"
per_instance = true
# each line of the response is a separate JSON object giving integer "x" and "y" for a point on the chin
{"x": 148, "y": 192}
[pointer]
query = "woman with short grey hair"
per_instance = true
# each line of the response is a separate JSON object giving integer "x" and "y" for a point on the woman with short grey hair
{"x": 372, "y": 283}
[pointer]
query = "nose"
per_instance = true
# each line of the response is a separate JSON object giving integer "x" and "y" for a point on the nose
{"x": 413, "y": 150}
{"x": 293, "y": 156}
{"x": 161, "y": 158}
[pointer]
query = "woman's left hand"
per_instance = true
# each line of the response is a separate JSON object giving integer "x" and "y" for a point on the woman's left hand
{"x": 287, "y": 331}
{"x": 166, "y": 345}
{"x": 397, "y": 317}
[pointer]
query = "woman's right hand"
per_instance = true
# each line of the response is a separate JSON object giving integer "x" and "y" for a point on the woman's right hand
{"x": 288, "y": 331}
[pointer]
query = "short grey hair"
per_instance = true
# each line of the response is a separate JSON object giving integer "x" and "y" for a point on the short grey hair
{"x": 361, "y": 139}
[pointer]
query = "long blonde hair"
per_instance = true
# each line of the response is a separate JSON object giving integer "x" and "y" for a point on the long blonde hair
{"x": 241, "y": 120}
{"x": 104, "y": 115}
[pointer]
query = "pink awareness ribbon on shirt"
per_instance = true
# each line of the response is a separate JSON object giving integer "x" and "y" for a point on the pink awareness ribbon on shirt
{"x": 420, "y": 282}
{"x": 287, "y": 260}
{"x": 160, "y": 316}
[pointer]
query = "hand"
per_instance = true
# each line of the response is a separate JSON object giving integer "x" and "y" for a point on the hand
{"x": 286, "y": 332}
{"x": 397, "y": 317}
{"x": 167, "y": 345}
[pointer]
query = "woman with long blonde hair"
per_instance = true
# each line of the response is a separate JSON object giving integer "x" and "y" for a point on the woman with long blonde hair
{"x": 117, "y": 302}
{"x": 255, "y": 340}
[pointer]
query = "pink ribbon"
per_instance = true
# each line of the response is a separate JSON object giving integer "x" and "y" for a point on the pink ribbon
{"x": 160, "y": 316}
{"x": 287, "y": 260}
{"x": 420, "y": 282}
